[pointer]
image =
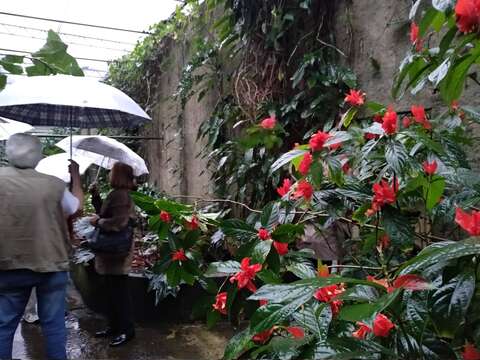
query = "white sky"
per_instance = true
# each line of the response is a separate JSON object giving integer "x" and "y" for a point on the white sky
{"x": 18, "y": 33}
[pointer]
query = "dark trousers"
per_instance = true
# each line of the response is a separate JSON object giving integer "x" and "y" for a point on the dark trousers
{"x": 119, "y": 304}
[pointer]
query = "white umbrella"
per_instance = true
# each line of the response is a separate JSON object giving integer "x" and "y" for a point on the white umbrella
{"x": 104, "y": 151}
{"x": 9, "y": 127}
{"x": 57, "y": 165}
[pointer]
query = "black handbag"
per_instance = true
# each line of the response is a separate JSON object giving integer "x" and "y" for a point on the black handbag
{"x": 112, "y": 242}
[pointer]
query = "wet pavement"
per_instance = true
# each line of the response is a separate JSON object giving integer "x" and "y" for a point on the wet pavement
{"x": 153, "y": 341}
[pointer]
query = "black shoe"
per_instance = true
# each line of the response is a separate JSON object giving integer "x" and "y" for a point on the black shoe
{"x": 104, "y": 333}
{"x": 121, "y": 339}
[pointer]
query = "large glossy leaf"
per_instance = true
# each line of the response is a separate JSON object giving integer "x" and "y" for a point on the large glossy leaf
{"x": 287, "y": 158}
{"x": 396, "y": 155}
{"x": 270, "y": 215}
{"x": 287, "y": 232}
{"x": 222, "y": 268}
{"x": 238, "y": 229}
{"x": 398, "y": 227}
{"x": 442, "y": 5}
{"x": 434, "y": 191}
{"x": 450, "y": 303}
{"x": 303, "y": 270}
{"x": 440, "y": 253}
{"x": 260, "y": 251}
{"x": 238, "y": 344}
{"x": 416, "y": 311}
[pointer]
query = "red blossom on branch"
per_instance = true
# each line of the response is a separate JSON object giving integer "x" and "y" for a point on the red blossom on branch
{"x": 355, "y": 97}
{"x": 263, "y": 234}
{"x": 470, "y": 352}
{"x": 430, "y": 167}
{"x": 467, "y": 14}
{"x": 383, "y": 194}
{"x": 469, "y": 222}
{"x": 389, "y": 124}
{"x": 318, "y": 140}
{"x": 415, "y": 36}
{"x": 221, "y": 303}
{"x": 411, "y": 282}
{"x": 193, "y": 224}
{"x": 305, "y": 164}
{"x": 382, "y": 325}
{"x": 285, "y": 188}
{"x": 362, "y": 331}
{"x": 269, "y": 123}
{"x": 378, "y": 118}
{"x": 282, "y": 248}
{"x": 382, "y": 282}
{"x": 304, "y": 189}
{"x": 263, "y": 336}
{"x": 246, "y": 274}
{"x": 296, "y": 331}
{"x": 328, "y": 294}
{"x": 165, "y": 216}
{"x": 420, "y": 117}
{"x": 179, "y": 255}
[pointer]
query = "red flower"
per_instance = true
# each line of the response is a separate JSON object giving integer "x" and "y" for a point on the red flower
{"x": 285, "y": 188}
{"x": 370, "y": 136}
{"x": 384, "y": 241}
{"x": 406, "y": 122}
{"x": 221, "y": 303}
{"x": 179, "y": 255}
{"x": 304, "y": 189}
{"x": 193, "y": 224}
{"x": 468, "y": 15}
{"x": 362, "y": 331}
{"x": 282, "y": 248}
{"x": 469, "y": 222}
{"x": 328, "y": 294}
{"x": 346, "y": 168}
{"x": 304, "y": 166}
{"x": 383, "y": 194}
{"x": 382, "y": 282}
{"x": 335, "y": 146}
{"x": 323, "y": 271}
{"x": 263, "y": 336}
{"x": 245, "y": 276}
{"x": 378, "y": 118}
{"x": 430, "y": 168}
{"x": 165, "y": 216}
{"x": 414, "y": 36}
{"x": 454, "y": 105}
{"x": 420, "y": 117}
{"x": 269, "y": 123}
{"x": 355, "y": 97}
{"x": 263, "y": 302}
{"x": 389, "y": 124}
{"x": 470, "y": 352}
{"x": 263, "y": 234}
{"x": 411, "y": 282}
{"x": 382, "y": 325}
{"x": 296, "y": 331}
{"x": 318, "y": 140}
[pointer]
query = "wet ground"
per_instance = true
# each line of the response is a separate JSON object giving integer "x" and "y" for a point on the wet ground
{"x": 153, "y": 341}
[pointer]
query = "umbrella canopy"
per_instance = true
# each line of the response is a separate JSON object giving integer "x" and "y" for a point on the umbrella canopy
{"x": 9, "y": 127}
{"x": 104, "y": 151}
{"x": 57, "y": 165}
{"x": 63, "y": 100}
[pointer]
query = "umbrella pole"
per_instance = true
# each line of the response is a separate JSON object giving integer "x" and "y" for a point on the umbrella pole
{"x": 98, "y": 171}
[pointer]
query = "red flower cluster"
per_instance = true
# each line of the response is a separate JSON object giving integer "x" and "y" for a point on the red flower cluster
{"x": 221, "y": 303}
{"x": 285, "y": 188}
{"x": 282, "y": 248}
{"x": 305, "y": 164}
{"x": 193, "y": 224}
{"x": 406, "y": 122}
{"x": 165, "y": 216}
{"x": 389, "y": 124}
{"x": 263, "y": 234}
{"x": 179, "y": 255}
{"x": 470, "y": 352}
{"x": 304, "y": 189}
{"x": 383, "y": 194}
{"x": 420, "y": 117}
{"x": 269, "y": 123}
{"x": 469, "y": 222}
{"x": 355, "y": 97}
{"x": 467, "y": 13}
{"x": 328, "y": 294}
{"x": 246, "y": 274}
{"x": 318, "y": 140}
{"x": 430, "y": 167}
{"x": 414, "y": 36}
{"x": 381, "y": 327}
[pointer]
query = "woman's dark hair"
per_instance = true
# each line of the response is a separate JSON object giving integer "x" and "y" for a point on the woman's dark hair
{"x": 122, "y": 177}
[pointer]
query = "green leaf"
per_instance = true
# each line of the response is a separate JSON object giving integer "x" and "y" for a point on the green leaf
{"x": 287, "y": 158}
{"x": 173, "y": 207}
{"x": 238, "y": 344}
{"x": 174, "y": 274}
{"x": 375, "y": 107}
{"x": 398, "y": 227}
{"x": 287, "y": 232}
{"x": 316, "y": 318}
{"x": 368, "y": 311}
{"x": 434, "y": 191}
{"x": 145, "y": 202}
{"x": 396, "y": 155}
{"x": 14, "y": 59}
{"x": 238, "y": 229}
{"x": 260, "y": 251}
{"x": 213, "y": 317}
{"x": 3, "y": 82}
{"x": 303, "y": 270}
{"x": 440, "y": 253}
{"x": 269, "y": 277}
{"x": 11, "y": 68}
{"x": 348, "y": 117}
{"x": 270, "y": 216}
{"x": 450, "y": 303}
{"x": 427, "y": 20}
{"x": 416, "y": 310}
{"x": 222, "y": 268}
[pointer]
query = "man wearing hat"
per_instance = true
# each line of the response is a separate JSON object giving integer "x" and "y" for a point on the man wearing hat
{"x": 34, "y": 243}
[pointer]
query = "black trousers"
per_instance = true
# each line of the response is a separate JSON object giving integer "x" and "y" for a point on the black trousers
{"x": 119, "y": 304}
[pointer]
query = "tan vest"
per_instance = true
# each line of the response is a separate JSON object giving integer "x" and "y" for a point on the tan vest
{"x": 33, "y": 229}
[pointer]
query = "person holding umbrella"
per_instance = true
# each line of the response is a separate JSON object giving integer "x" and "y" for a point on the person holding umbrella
{"x": 115, "y": 215}
{"x": 34, "y": 250}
